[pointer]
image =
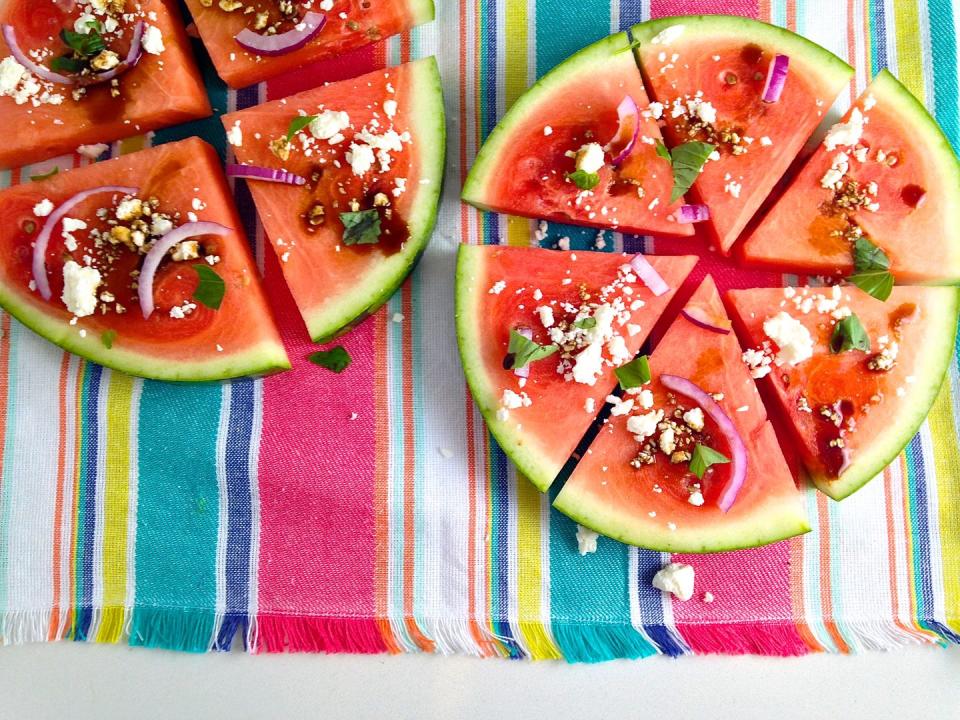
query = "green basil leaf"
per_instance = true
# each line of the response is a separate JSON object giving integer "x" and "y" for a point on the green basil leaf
{"x": 663, "y": 152}
{"x": 49, "y": 174}
{"x": 584, "y": 180}
{"x": 586, "y": 323}
{"x": 66, "y": 63}
{"x": 108, "y": 337}
{"x": 335, "y": 359}
{"x": 879, "y": 284}
{"x": 524, "y": 351}
{"x": 849, "y": 334}
{"x": 703, "y": 457}
{"x": 871, "y": 269}
{"x": 361, "y": 228}
{"x": 298, "y": 124}
{"x": 84, "y": 44}
{"x": 635, "y": 373}
{"x": 211, "y": 288}
{"x": 687, "y": 161}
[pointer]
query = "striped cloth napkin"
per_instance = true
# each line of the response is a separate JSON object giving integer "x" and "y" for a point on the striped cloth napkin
{"x": 371, "y": 511}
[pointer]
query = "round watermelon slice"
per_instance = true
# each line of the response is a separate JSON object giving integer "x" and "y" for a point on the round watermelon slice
{"x": 183, "y": 339}
{"x": 851, "y": 412}
{"x": 886, "y": 173}
{"x": 527, "y": 166}
{"x": 708, "y": 72}
{"x": 371, "y": 158}
{"x": 539, "y": 419}
{"x": 646, "y": 492}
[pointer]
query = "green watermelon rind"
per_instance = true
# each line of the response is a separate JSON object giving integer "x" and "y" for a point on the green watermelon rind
{"x": 796, "y": 47}
{"x": 429, "y": 132}
{"x": 937, "y": 354}
{"x": 594, "y": 58}
{"x": 534, "y": 465}
{"x": 262, "y": 359}
{"x": 421, "y": 11}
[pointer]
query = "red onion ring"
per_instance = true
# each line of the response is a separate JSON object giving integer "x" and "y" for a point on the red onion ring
{"x": 627, "y": 112}
{"x": 257, "y": 172}
{"x": 525, "y": 370}
{"x": 44, "y": 73}
{"x": 738, "y": 464}
{"x": 692, "y": 214}
{"x": 776, "y": 78}
{"x": 307, "y": 29}
{"x": 160, "y": 248}
{"x": 699, "y": 316}
{"x": 651, "y": 278}
{"x": 39, "y": 265}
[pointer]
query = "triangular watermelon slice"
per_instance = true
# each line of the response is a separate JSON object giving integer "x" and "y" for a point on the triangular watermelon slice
{"x": 211, "y": 319}
{"x": 527, "y": 164}
{"x": 885, "y": 172}
{"x": 652, "y": 498}
{"x": 540, "y": 419}
{"x": 372, "y": 159}
{"x": 708, "y": 73}
{"x": 850, "y": 412}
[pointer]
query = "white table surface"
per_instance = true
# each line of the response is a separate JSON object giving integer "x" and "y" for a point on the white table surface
{"x": 78, "y": 681}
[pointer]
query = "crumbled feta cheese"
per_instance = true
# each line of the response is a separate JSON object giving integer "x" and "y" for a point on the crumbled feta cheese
{"x": 186, "y": 250}
{"x": 498, "y": 287}
{"x": 695, "y": 498}
{"x": 765, "y": 141}
{"x": 791, "y": 336}
{"x": 694, "y": 419}
{"x": 547, "y": 130}
{"x": 152, "y": 40}
{"x": 80, "y": 288}
{"x": 511, "y": 400}
{"x": 43, "y": 208}
{"x": 590, "y": 406}
{"x": 675, "y": 578}
{"x": 92, "y": 152}
{"x": 643, "y": 426}
{"x": 361, "y": 158}
{"x": 129, "y": 209}
{"x": 546, "y": 315}
{"x": 390, "y": 108}
{"x": 758, "y": 362}
{"x": 586, "y": 540}
{"x": 590, "y": 158}
{"x": 621, "y": 406}
{"x": 70, "y": 226}
{"x": 656, "y": 110}
{"x": 328, "y": 124}
{"x": 563, "y": 243}
{"x": 235, "y": 135}
{"x": 847, "y": 133}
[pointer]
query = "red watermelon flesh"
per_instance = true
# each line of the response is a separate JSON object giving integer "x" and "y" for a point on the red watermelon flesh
{"x": 708, "y": 73}
{"x": 897, "y": 184}
{"x": 201, "y": 343}
{"x": 500, "y": 289}
{"x": 163, "y": 89}
{"x": 850, "y": 413}
{"x": 655, "y": 502}
{"x": 522, "y": 168}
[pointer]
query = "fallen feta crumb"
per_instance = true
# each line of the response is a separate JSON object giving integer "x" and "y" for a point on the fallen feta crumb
{"x": 675, "y": 578}
{"x": 92, "y": 152}
{"x": 586, "y": 540}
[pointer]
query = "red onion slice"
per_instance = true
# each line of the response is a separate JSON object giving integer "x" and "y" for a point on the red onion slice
{"x": 738, "y": 464}
{"x": 39, "y": 265}
{"x": 699, "y": 316}
{"x": 160, "y": 248}
{"x": 651, "y": 278}
{"x": 692, "y": 214}
{"x": 627, "y": 131}
{"x": 525, "y": 370}
{"x": 256, "y": 172}
{"x": 44, "y": 73}
{"x": 283, "y": 43}
{"x": 776, "y": 78}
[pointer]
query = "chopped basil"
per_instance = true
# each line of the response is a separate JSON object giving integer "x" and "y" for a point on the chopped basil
{"x": 663, "y": 152}
{"x": 703, "y": 457}
{"x": 523, "y": 351}
{"x": 335, "y": 359}
{"x": 298, "y": 124}
{"x": 848, "y": 334}
{"x": 871, "y": 268}
{"x": 108, "y": 337}
{"x": 48, "y": 174}
{"x": 584, "y": 180}
{"x": 686, "y": 160}
{"x": 635, "y": 373}
{"x": 66, "y": 63}
{"x": 586, "y": 323}
{"x": 361, "y": 228}
{"x": 84, "y": 44}
{"x": 211, "y": 288}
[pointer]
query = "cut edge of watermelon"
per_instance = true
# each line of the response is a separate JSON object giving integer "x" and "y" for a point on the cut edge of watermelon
{"x": 422, "y": 11}
{"x": 937, "y": 355}
{"x": 335, "y": 319}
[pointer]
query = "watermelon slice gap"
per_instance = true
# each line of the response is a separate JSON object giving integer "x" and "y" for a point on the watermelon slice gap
{"x": 350, "y": 24}
{"x": 522, "y": 168}
{"x": 496, "y": 292}
{"x": 653, "y": 505}
{"x": 239, "y": 338}
{"x": 886, "y": 408}
{"x": 162, "y": 90}
{"x": 335, "y": 284}
{"x": 905, "y": 153}
{"x": 715, "y": 67}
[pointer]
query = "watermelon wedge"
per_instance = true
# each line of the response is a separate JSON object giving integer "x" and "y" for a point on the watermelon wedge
{"x": 539, "y": 419}
{"x": 708, "y": 73}
{"x": 851, "y": 412}
{"x": 344, "y": 25}
{"x": 390, "y": 123}
{"x": 885, "y": 172}
{"x": 527, "y": 165}
{"x": 646, "y": 493}
{"x": 47, "y": 118}
{"x": 96, "y": 260}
